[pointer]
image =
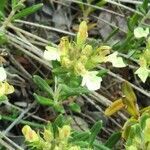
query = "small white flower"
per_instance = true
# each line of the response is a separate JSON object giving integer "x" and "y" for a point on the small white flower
{"x": 139, "y": 32}
{"x": 51, "y": 53}
{"x": 2, "y": 74}
{"x": 91, "y": 80}
{"x": 115, "y": 60}
{"x": 142, "y": 73}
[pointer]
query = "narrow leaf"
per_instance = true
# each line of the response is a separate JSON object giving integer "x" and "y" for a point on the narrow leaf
{"x": 127, "y": 126}
{"x": 81, "y": 136}
{"x": 75, "y": 107}
{"x": 114, "y": 107}
{"x": 130, "y": 99}
{"x": 112, "y": 141}
{"x": 2, "y": 5}
{"x": 43, "y": 100}
{"x": 94, "y": 131}
{"x": 27, "y": 11}
{"x": 43, "y": 85}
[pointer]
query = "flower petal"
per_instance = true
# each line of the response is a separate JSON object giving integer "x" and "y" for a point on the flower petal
{"x": 30, "y": 135}
{"x": 91, "y": 80}
{"x": 2, "y": 74}
{"x": 51, "y": 53}
{"x": 139, "y": 32}
{"x": 142, "y": 73}
{"x": 115, "y": 60}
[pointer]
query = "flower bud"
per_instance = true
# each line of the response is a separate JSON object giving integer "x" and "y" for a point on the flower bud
{"x": 30, "y": 135}
{"x": 79, "y": 68}
{"x": 87, "y": 50}
{"x": 82, "y": 33}
{"x": 48, "y": 135}
{"x": 65, "y": 62}
{"x": 83, "y": 59}
{"x": 64, "y": 132}
{"x": 103, "y": 50}
{"x": 64, "y": 46}
{"x": 100, "y": 55}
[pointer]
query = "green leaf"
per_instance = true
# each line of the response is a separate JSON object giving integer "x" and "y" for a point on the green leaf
{"x": 59, "y": 108}
{"x": 143, "y": 119}
{"x": 60, "y": 121}
{"x": 100, "y": 146}
{"x": 42, "y": 84}
{"x": 101, "y": 3}
{"x": 94, "y": 131}
{"x": 135, "y": 135}
{"x": 127, "y": 127}
{"x": 80, "y": 136}
{"x": 3, "y": 37}
{"x": 75, "y": 107}
{"x": 82, "y": 144}
{"x": 144, "y": 7}
{"x": 133, "y": 21}
{"x": 43, "y": 100}
{"x": 2, "y": 16}
{"x": 113, "y": 139}
{"x": 102, "y": 73}
{"x": 14, "y": 3}
{"x": 113, "y": 33}
{"x": 2, "y": 5}
{"x": 3, "y": 98}
{"x": 130, "y": 99}
{"x": 70, "y": 91}
{"x": 27, "y": 11}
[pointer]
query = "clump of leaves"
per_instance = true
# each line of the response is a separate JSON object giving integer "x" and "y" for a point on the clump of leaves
{"x": 60, "y": 136}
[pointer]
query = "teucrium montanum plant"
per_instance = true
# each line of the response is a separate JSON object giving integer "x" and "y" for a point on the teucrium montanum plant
{"x": 80, "y": 58}
{"x": 60, "y": 136}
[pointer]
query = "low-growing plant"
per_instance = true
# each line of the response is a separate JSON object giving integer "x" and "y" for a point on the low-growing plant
{"x": 74, "y": 69}
{"x": 60, "y": 136}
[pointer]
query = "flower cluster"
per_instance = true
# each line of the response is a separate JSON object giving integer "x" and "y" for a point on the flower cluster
{"x": 81, "y": 58}
{"x": 49, "y": 140}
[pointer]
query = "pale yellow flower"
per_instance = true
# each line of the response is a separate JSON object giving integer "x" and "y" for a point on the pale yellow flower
{"x": 64, "y": 132}
{"x": 30, "y": 135}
